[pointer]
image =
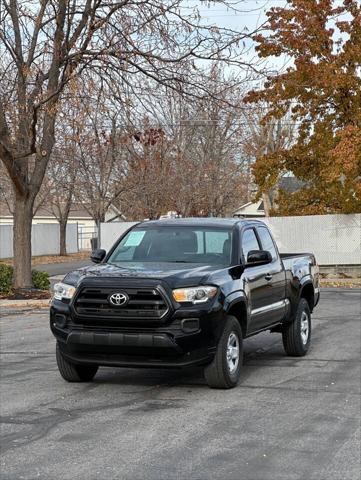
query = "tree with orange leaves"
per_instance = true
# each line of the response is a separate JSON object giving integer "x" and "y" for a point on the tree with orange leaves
{"x": 322, "y": 90}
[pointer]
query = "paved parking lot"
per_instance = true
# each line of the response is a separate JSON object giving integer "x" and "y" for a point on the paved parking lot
{"x": 289, "y": 419}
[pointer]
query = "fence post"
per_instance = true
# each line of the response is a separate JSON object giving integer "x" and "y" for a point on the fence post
{"x": 99, "y": 235}
{"x": 77, "y": 236}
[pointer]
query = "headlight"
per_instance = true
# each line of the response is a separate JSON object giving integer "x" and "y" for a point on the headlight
{"x": 194, "y": 294}
{"x": 62, "y": 290}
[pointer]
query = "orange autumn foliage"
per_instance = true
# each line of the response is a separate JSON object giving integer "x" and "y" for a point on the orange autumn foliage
{"x": 322, "y": 90}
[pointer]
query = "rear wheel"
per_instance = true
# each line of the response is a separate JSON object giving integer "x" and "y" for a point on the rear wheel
{"x": 74, "y": 373}
{"x": 225, "y": 369}
{"x": 296, "y": 336}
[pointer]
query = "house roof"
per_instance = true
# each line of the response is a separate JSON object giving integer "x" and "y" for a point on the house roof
{"x": 261, "y": 207}
{"x": 250, "y": 208}
{"x": 77, "y": 211}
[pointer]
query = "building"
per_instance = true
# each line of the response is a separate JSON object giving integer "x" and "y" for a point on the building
{"x": 289, "y": 184}
{"x": 250, "y": 210}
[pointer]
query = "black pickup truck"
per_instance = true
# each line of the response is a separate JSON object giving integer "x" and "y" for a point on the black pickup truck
{"x": 182, "y": 292}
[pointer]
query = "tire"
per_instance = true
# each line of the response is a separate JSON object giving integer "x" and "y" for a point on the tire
{"x": 225, "y": 370}
{"x": 74, "y": 373}
{"x": 296, "y": 336}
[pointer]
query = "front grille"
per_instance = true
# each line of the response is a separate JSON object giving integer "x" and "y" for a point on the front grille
{"x": 143, "y": 303}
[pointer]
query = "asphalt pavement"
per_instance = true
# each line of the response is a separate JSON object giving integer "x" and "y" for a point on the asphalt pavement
{"x": 56, "y": 269}
{"x": 289, "y": 419}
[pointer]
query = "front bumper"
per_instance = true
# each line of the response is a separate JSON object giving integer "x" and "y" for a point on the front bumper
{"x": 117, "y": 359}
{"x": 188, "y": 337}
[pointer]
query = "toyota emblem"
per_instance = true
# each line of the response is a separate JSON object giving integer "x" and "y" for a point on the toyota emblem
{"x": 118, "y": 299}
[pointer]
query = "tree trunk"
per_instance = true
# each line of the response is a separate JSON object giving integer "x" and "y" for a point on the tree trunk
{"x": 100, "y": 218}
{"x": 22, "y": 241}
{"x": 62, "y": 232}
{"x": 267, "y": 205}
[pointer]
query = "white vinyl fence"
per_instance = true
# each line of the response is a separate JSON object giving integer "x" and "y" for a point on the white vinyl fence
{"x": 334, "y": 239}
{"x": 44, "y": 239}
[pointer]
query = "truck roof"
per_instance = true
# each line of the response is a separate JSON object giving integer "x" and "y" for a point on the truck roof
{"x": 199, "y": 222}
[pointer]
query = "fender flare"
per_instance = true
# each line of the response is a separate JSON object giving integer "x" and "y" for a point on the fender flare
{"x": 238, "y": 299}
{"x": 306, "y": 282}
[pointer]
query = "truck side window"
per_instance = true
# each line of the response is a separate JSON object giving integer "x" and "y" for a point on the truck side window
{"x": 267, "y": 242}
{"x": 215, "y": 241}
{"x": 249, "y": 242}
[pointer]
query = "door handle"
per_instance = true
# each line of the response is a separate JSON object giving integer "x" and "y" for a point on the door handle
{"x": 268, "y": 276}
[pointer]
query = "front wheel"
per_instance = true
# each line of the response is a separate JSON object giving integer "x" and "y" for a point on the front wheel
{"x": 74, "y": 373}
{"x": 225, "y": 369}
{"x": 296, "y": 336}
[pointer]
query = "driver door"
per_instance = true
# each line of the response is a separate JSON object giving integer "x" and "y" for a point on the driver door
{"x": 258, "y": 285}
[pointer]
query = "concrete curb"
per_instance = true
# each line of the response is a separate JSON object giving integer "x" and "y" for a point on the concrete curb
{"x": 341, "y": 289}
{"x": 345, "y": 286}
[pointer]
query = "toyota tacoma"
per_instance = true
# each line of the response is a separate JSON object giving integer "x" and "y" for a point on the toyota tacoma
{"x": 181, "y": 292}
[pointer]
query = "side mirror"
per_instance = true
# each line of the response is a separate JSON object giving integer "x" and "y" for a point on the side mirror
{"x": 259, "y": 257}
{"x": 98, "y": 255}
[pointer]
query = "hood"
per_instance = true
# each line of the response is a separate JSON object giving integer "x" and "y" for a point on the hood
{"x": 176, "y": 275}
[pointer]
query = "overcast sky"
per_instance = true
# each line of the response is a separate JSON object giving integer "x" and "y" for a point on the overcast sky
{"x": 249, "y": 15}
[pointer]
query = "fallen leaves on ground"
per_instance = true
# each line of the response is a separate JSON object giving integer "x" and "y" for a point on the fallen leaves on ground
{"x": 45, "y": 259}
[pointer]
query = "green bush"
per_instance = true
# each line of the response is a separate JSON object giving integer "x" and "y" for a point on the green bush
{"x": 6, "y": 278}
{"x": 40, "y": 280}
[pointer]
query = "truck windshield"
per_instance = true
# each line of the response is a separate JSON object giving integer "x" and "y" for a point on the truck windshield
{"x": 204, "y": 245}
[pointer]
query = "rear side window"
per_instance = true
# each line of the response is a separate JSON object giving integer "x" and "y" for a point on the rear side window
{"x": 249, "y": 242}
{"x": 267, "y": 242}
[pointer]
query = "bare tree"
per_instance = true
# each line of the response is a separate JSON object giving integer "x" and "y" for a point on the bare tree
{"x": 62, "y": 175}
{"x": 102, "y": 157}
{"x": 7, "y": 193}
{"x": 208, "y": 133}
{"x": 187, "y": 154}
{"x": 150, "y": 175}
{"x": 61, "y": 179}
{"x": 46, "y": 47}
